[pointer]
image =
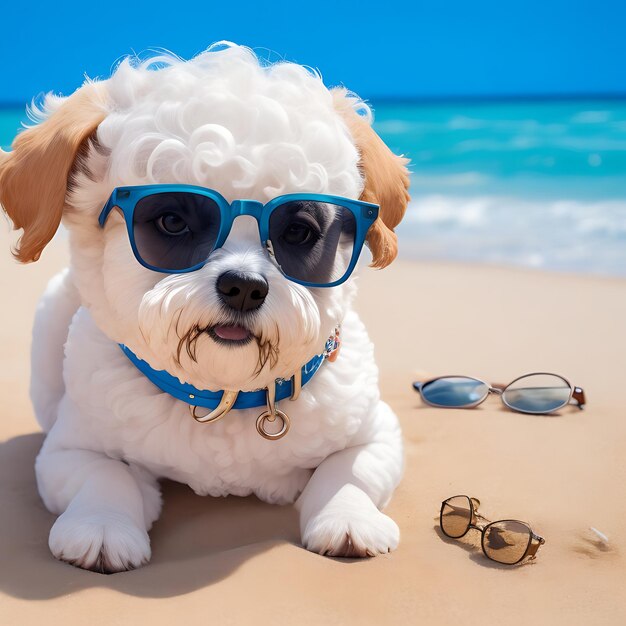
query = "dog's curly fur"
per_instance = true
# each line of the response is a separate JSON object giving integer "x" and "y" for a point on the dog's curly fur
{"x": 226, "y": 121}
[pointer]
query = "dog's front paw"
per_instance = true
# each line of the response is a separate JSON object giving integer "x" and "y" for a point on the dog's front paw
{"x": 351, "y": 532}
{"x": 104, "y": 542}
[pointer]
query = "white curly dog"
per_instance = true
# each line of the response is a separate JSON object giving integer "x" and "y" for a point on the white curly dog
{"x": 227, "y": 122}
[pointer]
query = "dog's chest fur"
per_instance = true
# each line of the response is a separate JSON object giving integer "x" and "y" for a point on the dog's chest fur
{"x": 111, "y": 407}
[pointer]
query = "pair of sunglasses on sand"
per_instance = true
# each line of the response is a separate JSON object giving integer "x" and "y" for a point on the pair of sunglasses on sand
{"x": 506, "y": 541}
{"x": 314, "y": 239}
{"x": 536, "y": 393}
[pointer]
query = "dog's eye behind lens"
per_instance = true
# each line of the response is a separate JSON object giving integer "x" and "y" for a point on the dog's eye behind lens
{"x": 175, "y": 230}
{"x": 171, "y": 224}
{"x": 298, "y": 233}
{"x": 312, "y": 241}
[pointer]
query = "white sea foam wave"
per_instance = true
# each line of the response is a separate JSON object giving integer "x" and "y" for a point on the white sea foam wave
{"x": 555, "y": 234}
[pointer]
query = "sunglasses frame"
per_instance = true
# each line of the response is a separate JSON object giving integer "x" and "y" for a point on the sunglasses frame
{"x": 126, "y": 199}
{"x": 576, "y": 393}
{"x": 530, "y": 552}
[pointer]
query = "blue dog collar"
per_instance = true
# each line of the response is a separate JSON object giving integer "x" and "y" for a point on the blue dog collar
{"x": 221, "y": 402}
{"x": 211, "y": 399}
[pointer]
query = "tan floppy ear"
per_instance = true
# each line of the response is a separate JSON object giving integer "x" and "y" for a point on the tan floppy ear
{"x": 34, "y": 175}
{"x": 386, "y": 180}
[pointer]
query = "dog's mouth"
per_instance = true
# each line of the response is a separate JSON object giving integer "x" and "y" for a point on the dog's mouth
{"x": 231, "y": 334}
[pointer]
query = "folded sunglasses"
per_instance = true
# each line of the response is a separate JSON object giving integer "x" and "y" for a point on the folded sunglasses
{"x": 508, "y": 541}
{"x": 536, "y": 393}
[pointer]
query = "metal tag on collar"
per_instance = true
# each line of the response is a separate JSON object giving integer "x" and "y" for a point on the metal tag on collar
{"x": 333, "y": 352}
{"x": 270, "y": 416}
{"x": 225, "y": 405}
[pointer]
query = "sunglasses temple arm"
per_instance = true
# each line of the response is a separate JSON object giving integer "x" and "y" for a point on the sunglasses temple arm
{"x": 536, "y": 541}
{"x": 578, "y": 396}
{"x": 106, "y": 210}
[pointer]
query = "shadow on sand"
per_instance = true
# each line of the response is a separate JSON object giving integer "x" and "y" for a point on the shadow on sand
{"x": 196, "y": 542}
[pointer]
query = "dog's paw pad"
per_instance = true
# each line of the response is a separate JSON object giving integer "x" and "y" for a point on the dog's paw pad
{"x": 101, "y": 542}
{"x": 355, "y": 533}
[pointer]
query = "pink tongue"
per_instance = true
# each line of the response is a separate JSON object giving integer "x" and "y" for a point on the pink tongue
{"x": 234, "y": 333}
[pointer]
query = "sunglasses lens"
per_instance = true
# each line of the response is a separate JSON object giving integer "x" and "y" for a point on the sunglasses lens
{"x": 537, "y": 393}
{"x": 313, "y": 241}
{"x": 507, "y": 541}
{"x": 175, "y": 230}
{"x": 456, "y": 516}
{"x": 454, "y": 391}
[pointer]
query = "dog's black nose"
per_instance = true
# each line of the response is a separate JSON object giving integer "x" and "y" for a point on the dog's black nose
{"x": 242, "y": 291}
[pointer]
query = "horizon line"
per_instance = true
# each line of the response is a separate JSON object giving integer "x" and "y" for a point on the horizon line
{"x": 479, "y": 98}
{"x": 442, "y": 99}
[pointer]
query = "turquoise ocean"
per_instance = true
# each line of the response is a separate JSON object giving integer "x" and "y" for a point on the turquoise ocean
{"x": 539, "y": 184}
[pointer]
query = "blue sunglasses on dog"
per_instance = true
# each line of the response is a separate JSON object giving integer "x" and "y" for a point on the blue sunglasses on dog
{"x": 315, "y": 239}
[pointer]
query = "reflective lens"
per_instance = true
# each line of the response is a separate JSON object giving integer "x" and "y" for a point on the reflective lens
{"x": 175, "y": 230}
{"x": 456, "y": 516}
{"x": 454, "y": 391}
{"x": 313, "y": 241}
{"x": 506, "y": 541}
{"x": 537, "y": 393}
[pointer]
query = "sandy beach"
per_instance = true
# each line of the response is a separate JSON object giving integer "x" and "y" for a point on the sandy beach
{"x": 238, "y": 561}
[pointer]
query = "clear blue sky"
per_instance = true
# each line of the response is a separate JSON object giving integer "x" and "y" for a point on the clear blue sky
{"x": 382, "y": 49}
